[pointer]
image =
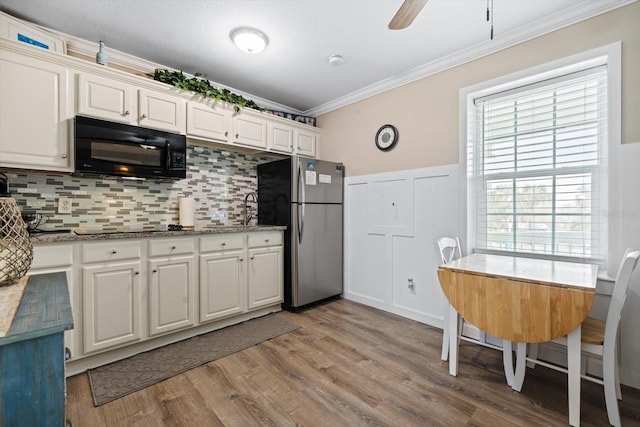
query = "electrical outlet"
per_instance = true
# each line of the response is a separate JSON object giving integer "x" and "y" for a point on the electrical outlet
{"x": 64, "y": 205}
{"x": 411, "y": 285}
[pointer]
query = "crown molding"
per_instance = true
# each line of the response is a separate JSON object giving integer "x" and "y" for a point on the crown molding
{"x": 581, "y": 12}
{"x": 140, "y": 66}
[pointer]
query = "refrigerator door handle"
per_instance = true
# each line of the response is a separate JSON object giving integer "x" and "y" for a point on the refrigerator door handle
{"x": 301, "y": 202}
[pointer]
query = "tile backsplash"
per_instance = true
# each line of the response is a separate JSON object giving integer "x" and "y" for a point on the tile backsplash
{"x": 217, "y": 179}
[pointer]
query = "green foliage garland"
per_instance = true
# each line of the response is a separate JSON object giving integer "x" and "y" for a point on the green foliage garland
{"x": 203, "y": 87}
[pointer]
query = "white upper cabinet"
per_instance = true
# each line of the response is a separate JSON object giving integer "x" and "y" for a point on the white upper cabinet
{"x": 106, "y": 98}
{"x": 249, "y": 130}
{"x": 305, "y": 142}
{"x": 118, "y": 101}
{"x": 210, "y": 121}
{"x": 280, "y": 137}
{"x": 161, "y": 111}
{"x": 35, "y": 112}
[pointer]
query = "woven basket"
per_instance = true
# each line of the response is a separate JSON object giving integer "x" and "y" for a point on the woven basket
{"x": 16, "y": 250}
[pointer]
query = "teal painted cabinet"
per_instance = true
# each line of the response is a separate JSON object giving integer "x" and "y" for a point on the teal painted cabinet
{"x": 32, "y": 381}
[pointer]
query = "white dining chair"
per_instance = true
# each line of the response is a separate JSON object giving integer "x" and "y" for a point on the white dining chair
{"x": 600, "y": 338}
{"x": 450, "y": 250}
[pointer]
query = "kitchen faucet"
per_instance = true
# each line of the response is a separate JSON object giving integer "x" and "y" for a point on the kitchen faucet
{"x": 246, "y": 216}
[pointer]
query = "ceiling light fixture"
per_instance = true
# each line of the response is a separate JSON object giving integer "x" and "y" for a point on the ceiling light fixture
{"x": 249, "y": 40}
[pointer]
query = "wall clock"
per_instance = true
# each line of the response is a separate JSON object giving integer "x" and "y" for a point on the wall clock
{"x": 387, "y": 137}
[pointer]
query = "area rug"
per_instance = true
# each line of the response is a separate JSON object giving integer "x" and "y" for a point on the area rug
{"x": 117, "y": 379}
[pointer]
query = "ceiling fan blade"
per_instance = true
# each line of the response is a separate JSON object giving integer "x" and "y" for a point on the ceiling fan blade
{"x": 406, "y": 14}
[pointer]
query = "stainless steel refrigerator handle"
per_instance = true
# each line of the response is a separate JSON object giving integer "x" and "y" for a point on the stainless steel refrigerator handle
{"x": 301, "y": 200}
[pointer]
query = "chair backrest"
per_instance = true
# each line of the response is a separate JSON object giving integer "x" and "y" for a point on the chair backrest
{"x": 449, "y": 249}
{"x": 627, "y": 265}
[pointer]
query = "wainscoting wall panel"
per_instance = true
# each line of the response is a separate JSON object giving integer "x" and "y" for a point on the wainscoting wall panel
{"x": 392, "y": 221}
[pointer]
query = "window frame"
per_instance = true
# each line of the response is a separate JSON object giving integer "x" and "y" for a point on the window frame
{"x": 609, "y": 55}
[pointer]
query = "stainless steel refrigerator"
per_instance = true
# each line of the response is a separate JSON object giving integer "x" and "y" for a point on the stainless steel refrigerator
{"x": 305, "y": 195}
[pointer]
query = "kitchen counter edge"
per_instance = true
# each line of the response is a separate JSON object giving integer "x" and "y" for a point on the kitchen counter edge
{"x": 51, "y": 237}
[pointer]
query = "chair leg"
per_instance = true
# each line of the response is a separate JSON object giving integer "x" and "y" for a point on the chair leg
{"x": 445, "y": 336}
{"x": 532, "y": 354}
{"x": 610, "y": 389}
{"x": 507, "y": 361}
{"x": 617, "y": 366}
{"x": 521, "y": 358}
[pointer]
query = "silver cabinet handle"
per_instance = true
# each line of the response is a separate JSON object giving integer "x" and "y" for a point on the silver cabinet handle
{"x": 63, "y": 156}
{"x": 67, "y": 353}
{"x": 144, "y": 116}
{"x": 114, "y": 252}
{"x": 126, "y": 113}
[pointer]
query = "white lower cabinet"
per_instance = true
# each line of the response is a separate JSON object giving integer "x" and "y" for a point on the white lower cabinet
{"x": 265, "y": 269}
{"x": 59, "y": 258}
{"x": 222, "y": 285}
{"x": 265, "y": 277}
{"x": 111, "y": 305}
{"x": 131, "y": 295}
{"x": 172, "y": 287}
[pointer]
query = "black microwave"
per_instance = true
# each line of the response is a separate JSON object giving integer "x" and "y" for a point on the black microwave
{"x": 107, "y": 148}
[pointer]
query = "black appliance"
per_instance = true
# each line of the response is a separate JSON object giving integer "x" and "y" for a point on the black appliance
{"x": 4, "y": 185}
{"x": 107, "y": 148}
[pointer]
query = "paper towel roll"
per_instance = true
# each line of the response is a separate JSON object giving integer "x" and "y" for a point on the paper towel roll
{"x": 187, "y": 209}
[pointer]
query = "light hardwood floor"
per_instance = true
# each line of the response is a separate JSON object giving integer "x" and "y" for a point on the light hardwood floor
{"x": 349, "y": 365}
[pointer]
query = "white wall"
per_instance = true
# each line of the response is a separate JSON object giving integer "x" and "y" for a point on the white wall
{"x": 628, "y": 218}
{"x": 392, "y": 221}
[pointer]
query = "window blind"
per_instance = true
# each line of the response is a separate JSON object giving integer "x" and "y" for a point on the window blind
{"x": 537, "y": 167}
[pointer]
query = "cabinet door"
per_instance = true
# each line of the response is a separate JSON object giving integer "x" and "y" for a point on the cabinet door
{"x": 161, "y": 111}
{"x": 265, "y": 277}
{"x": 222, "y": 285}
{"x": 280, "y": 138}
{"x": 35, "y": 112}
{"x": 171, "y": 294}
{"x": 59, "y": 258}
{"x": 250, "y": 131}
{"x": 111, "y": 305}
{"x": 206, "y": 121}
{"x": 305, "y": 142}
{"x": 106, "y": 98}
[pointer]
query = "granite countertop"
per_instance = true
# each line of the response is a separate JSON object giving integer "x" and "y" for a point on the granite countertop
{"x": 70, "y": 236}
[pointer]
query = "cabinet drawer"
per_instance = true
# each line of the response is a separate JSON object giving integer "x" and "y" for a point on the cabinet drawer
{"x": 52, "y": 256}
{"x": 265, "y": 238}
{"x": 165, "y": 247}
{"x": 222, "y": 242}
{"x": 110, "y": 251}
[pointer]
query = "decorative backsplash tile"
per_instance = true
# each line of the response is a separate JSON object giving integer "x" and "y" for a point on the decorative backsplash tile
{"x": 217, "y": 179}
